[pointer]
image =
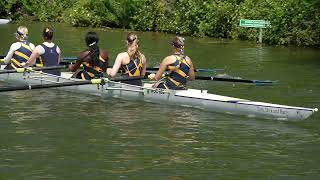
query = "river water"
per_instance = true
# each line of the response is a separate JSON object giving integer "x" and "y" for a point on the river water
{"x": 51, "y": 134}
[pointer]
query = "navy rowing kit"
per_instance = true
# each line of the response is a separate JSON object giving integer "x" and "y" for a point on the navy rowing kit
{"x": 91, "y": 71}
{"x": 50, "y": 57}
{"x": 133, "y": 69}
{"x": 21, "y": 55}
{"x": 178, "y": 76}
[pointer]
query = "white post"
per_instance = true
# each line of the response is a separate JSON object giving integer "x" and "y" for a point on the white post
{"x": 260, "y": 35}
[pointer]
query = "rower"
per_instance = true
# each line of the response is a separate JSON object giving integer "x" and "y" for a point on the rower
{"x": 94, "y": 60}
{"x": 19, "y": 51}
{"x": 48, "y": 53}
{"x": 131, "y": 63}
{"x": 180, "y": 68}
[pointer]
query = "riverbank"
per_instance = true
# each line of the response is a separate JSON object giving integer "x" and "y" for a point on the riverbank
{"x": 291, "y": 24}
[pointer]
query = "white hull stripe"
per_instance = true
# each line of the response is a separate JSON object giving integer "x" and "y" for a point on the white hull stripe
{"x": 244, "y": 102}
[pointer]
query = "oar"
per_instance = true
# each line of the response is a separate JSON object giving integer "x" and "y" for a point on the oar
{"x": 41, "y": 86}
{"x": 212, "y": 78}
{"x": 64, "y": 84}
{"x": 196, "y": 70}
{"x": 68, "y": 60}
{"x": 21, "y": 70}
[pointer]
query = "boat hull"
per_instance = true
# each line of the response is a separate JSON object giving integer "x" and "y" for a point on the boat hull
{"x": 188, "y": 98}
{"x": 4, "y": 21}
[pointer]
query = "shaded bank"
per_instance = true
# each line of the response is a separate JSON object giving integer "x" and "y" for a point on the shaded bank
{"x": 293, "y": 22}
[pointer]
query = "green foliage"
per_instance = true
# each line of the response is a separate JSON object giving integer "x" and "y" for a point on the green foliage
{"x": 293, "y": 22}
{"x": 43, "y": 10}
{"x": 219, "y": 22}
{"x": 151, "y": 16}
{"x": 111, "y": 13}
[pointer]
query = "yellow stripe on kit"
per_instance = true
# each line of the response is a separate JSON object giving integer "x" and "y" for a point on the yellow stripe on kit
{"x": 174, "y": 81}
{"x": 16, "y": 62}
{"x": 26, "y": 46}
{"x": 181, "y": 73}
{"x": 22, "y": 55}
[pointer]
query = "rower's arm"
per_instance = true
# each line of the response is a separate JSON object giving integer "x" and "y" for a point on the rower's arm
{"x": 59, "y": 52}
{"x": 114, "y": 70}
{"x": 75, "y": 66}
{"x": 13, "y": 48}
{"x": 35, "y": 54}
{"x": 104, "y": 54}
{"x": 79, "y": 61}
{"x": 144, "y": 69}
{"x": 191, "y": 70}
{"x": 162, "y": 68}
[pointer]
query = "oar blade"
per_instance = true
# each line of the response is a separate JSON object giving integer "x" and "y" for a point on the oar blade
{"x": 22, "y": 70}
{"x": 262, "y": 82}
{"x": 213, "y": 78}
{"x": 209, "y": 70}
{"x": 53, "y": 85}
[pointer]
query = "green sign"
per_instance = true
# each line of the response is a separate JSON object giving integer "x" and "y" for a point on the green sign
{"x": 254, "y": 23}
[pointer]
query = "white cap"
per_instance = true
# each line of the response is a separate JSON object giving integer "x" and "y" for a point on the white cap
{"x": 22, "y": 33}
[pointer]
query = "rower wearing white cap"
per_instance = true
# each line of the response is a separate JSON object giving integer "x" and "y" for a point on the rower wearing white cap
{"x": 20, "y": 51}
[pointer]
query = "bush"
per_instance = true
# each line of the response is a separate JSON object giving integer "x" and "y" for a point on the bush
{"x": 293, "y": 22}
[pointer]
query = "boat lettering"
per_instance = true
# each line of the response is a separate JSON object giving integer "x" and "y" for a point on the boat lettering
{"x": 156, "y": 91}
{"x": 272, "y": 110}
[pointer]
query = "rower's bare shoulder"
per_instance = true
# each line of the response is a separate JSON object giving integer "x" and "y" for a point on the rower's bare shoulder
{"x": 169, "y": 59}
{"x": 143, "y": 57}
{"x": 122, "y": 55}
{"x": 104, "y": 54}
{"x": 188, "y": 59}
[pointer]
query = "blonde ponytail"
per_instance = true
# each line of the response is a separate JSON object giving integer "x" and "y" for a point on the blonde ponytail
{"x": 133, "y": 46}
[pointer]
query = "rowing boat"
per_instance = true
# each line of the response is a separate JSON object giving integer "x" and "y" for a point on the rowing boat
{"x": 4, "y": 21}
{"x": 190, "y": 98}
